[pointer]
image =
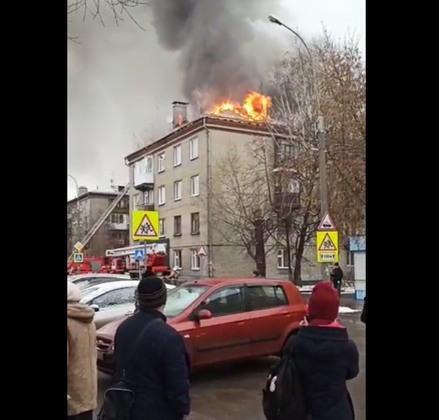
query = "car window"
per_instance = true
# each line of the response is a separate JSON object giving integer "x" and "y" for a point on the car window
{"x": 181, "y": 297}
{"x": 96, "y": 281}
{"x": 226, "y": 301}
{"x": 86, "y": 290}
{"x": 264, "y": 297}
{"x": 115, "y": 297}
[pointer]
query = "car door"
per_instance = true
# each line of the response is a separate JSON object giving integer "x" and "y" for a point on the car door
{"x": 113, "y": 305}
{"x": 225, "y": 336}
{"x": 268, "y": 317}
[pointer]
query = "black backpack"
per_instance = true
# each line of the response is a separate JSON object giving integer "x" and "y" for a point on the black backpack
{"x": 119, "y": 397}
{"x": 283, "y": 397}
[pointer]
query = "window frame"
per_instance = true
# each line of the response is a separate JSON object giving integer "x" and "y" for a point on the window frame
{"x": 177, "y": 217}
{"x": 159, "y": 189}
{"x": 178, "y": 188}
{"x": 179, "y": 253}
{"x": 195, "y": 258}
{"x": 177, "y": 155}
{"x": 281, "y": 255}
{"x": 193, "y": 184}
{"x": 162, "y": 227}
{"x": 197, "y": 231}
{"x": 161, "y": 162}
{"x": 193, "y": 148}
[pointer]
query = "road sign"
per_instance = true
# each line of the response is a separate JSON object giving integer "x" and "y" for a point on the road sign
{"x": 327, "y": 246}
{"x": 138, "y": 254}
{"x": 201, "y": 252}
{"x": 326, "y": 223}
{"x": 78, "y": 257}
{"x": 78, "y": 246}
{"x": 144, "y": 225}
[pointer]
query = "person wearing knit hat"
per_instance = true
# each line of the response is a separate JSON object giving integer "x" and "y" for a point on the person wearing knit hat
{"x": 325, "y": 357}
{"x": 158, "y": 370}
{"x": 82, "y": 382}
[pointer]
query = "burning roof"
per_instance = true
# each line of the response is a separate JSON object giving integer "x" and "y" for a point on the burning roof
{"x": 254, "y": 107}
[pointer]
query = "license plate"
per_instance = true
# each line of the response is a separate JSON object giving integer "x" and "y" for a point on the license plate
{"x": 100, "y": 355}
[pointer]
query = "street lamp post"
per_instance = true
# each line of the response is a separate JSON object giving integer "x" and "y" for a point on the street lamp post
{"x": 320, "y": 131}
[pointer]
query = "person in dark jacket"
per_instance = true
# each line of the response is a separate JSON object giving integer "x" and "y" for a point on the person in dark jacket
{"x": 337, "y": 277}
{"x": 159, "y": 371}
{"x": 325, "y": 357}
{"x": 363, "y": 312}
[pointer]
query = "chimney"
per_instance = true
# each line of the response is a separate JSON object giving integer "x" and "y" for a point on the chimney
{"x": 179, "y": 113}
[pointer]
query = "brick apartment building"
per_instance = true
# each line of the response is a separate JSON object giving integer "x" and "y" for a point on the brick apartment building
{"x": 174, "y": 175}
{"x": 84, "y": 211}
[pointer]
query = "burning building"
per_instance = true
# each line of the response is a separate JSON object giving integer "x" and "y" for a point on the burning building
{"x": 178, "y": 176}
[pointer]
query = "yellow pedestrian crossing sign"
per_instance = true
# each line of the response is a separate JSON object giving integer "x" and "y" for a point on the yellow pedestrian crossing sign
{"x": 327, "y": 246}
{"x": 144, "y": 225}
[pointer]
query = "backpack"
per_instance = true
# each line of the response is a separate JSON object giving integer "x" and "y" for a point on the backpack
{"x": 283, "y": 396}
{"x": 119, "y": 397}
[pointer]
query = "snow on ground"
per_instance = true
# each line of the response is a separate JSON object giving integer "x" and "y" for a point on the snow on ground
{"x": 347, "y": 310}
{"x": 344, "y": 291}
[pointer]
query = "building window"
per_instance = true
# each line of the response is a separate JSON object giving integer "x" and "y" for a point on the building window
{"x": 149, "y": 164}
{"x": 177, "y": 155}
{"x": 195, "y": 260}
{"x": 195, "y": 223}
{"x": 177, "y": 258}
{"x": 147, "y": 198}
{"x": 177, "y": 225}
{"x": 349, "y": 259}
{"x": 161, "y": 162}
{"x": 178, "y": 187}
{"x": 161, "y": 195}
{"x": 193, "y": 149}
{"x": 195, "y": 186}
{"x": 282, "y": 258}
{"x": 162, "y": 227}
{"x": 117, "y": 218}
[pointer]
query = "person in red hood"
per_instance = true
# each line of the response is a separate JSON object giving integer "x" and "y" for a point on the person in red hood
{"x": 325, "y": 357}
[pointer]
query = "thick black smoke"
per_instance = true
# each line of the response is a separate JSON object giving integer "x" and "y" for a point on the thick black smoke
{"x": 218, "y": 44}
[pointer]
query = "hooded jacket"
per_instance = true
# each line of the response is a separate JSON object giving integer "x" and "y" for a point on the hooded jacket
{"x": 81, "y": 359}
{"x": 326, "y": 358}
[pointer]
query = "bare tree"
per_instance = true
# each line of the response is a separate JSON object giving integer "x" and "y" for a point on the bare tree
{"x": 241, "y": 210}
{"x": 118, "y": 10}
{"x": 340, "y": 80}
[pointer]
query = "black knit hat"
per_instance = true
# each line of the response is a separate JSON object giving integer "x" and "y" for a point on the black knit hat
{"x": 151, "y": 293}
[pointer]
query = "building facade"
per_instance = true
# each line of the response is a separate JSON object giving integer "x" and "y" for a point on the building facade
{"x": 84, "y": 211}
{"x": 179, "y": 174}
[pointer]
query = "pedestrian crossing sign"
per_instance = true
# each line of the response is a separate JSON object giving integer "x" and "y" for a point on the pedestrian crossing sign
{"x": 327, "y": 246}
{"x": 78, "y": 257}
{"x": 145, "y": 225}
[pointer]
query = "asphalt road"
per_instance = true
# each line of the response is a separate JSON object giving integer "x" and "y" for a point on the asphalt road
{"x": 230, "y": 393}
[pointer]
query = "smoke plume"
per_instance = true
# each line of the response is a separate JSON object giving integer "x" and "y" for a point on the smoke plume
{"x": 223, "y": 50}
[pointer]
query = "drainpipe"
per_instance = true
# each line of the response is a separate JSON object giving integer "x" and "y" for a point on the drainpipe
{"x": 209, "y": 197}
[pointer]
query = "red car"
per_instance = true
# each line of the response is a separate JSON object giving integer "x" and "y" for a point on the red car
{"x": 224, "y": 320}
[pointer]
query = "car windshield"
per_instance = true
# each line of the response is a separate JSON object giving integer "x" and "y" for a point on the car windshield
{"x": 181, "y": 297}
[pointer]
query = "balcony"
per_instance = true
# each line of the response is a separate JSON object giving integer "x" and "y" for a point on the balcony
{"x": 145, "y": 207}
{"x": 119, "y": 226}
{"x": 144, "y": 174}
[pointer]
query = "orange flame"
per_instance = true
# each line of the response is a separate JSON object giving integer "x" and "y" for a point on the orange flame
{"x": 254, "y": 107}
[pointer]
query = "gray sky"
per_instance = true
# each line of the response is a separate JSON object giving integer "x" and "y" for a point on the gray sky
{"x": 121, "y": 83}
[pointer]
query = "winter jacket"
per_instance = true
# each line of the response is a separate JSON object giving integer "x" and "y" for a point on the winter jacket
{"x": 158, "y": 372}
{"x": 81, "y": 359}
{"x": 337, "y": 275}
{"x": 363, "y": 312}
{"x": 325, "y": 359}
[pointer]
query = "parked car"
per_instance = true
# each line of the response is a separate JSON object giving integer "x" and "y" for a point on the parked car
{"x": 224, "y": 320}
{"x": 84, "y": 281}
{"x": 112, "y": 300}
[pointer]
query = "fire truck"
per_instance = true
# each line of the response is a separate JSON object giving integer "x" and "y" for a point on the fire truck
{"x": 123, "y": 259}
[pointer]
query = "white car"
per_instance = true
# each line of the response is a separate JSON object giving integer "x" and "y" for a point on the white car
{"x": 84, "y": 281}
{"x": 112, "y": 300}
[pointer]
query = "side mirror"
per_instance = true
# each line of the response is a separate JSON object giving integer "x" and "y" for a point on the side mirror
{"x": 95, "y": 307}
{"x": 203, "y": 314}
